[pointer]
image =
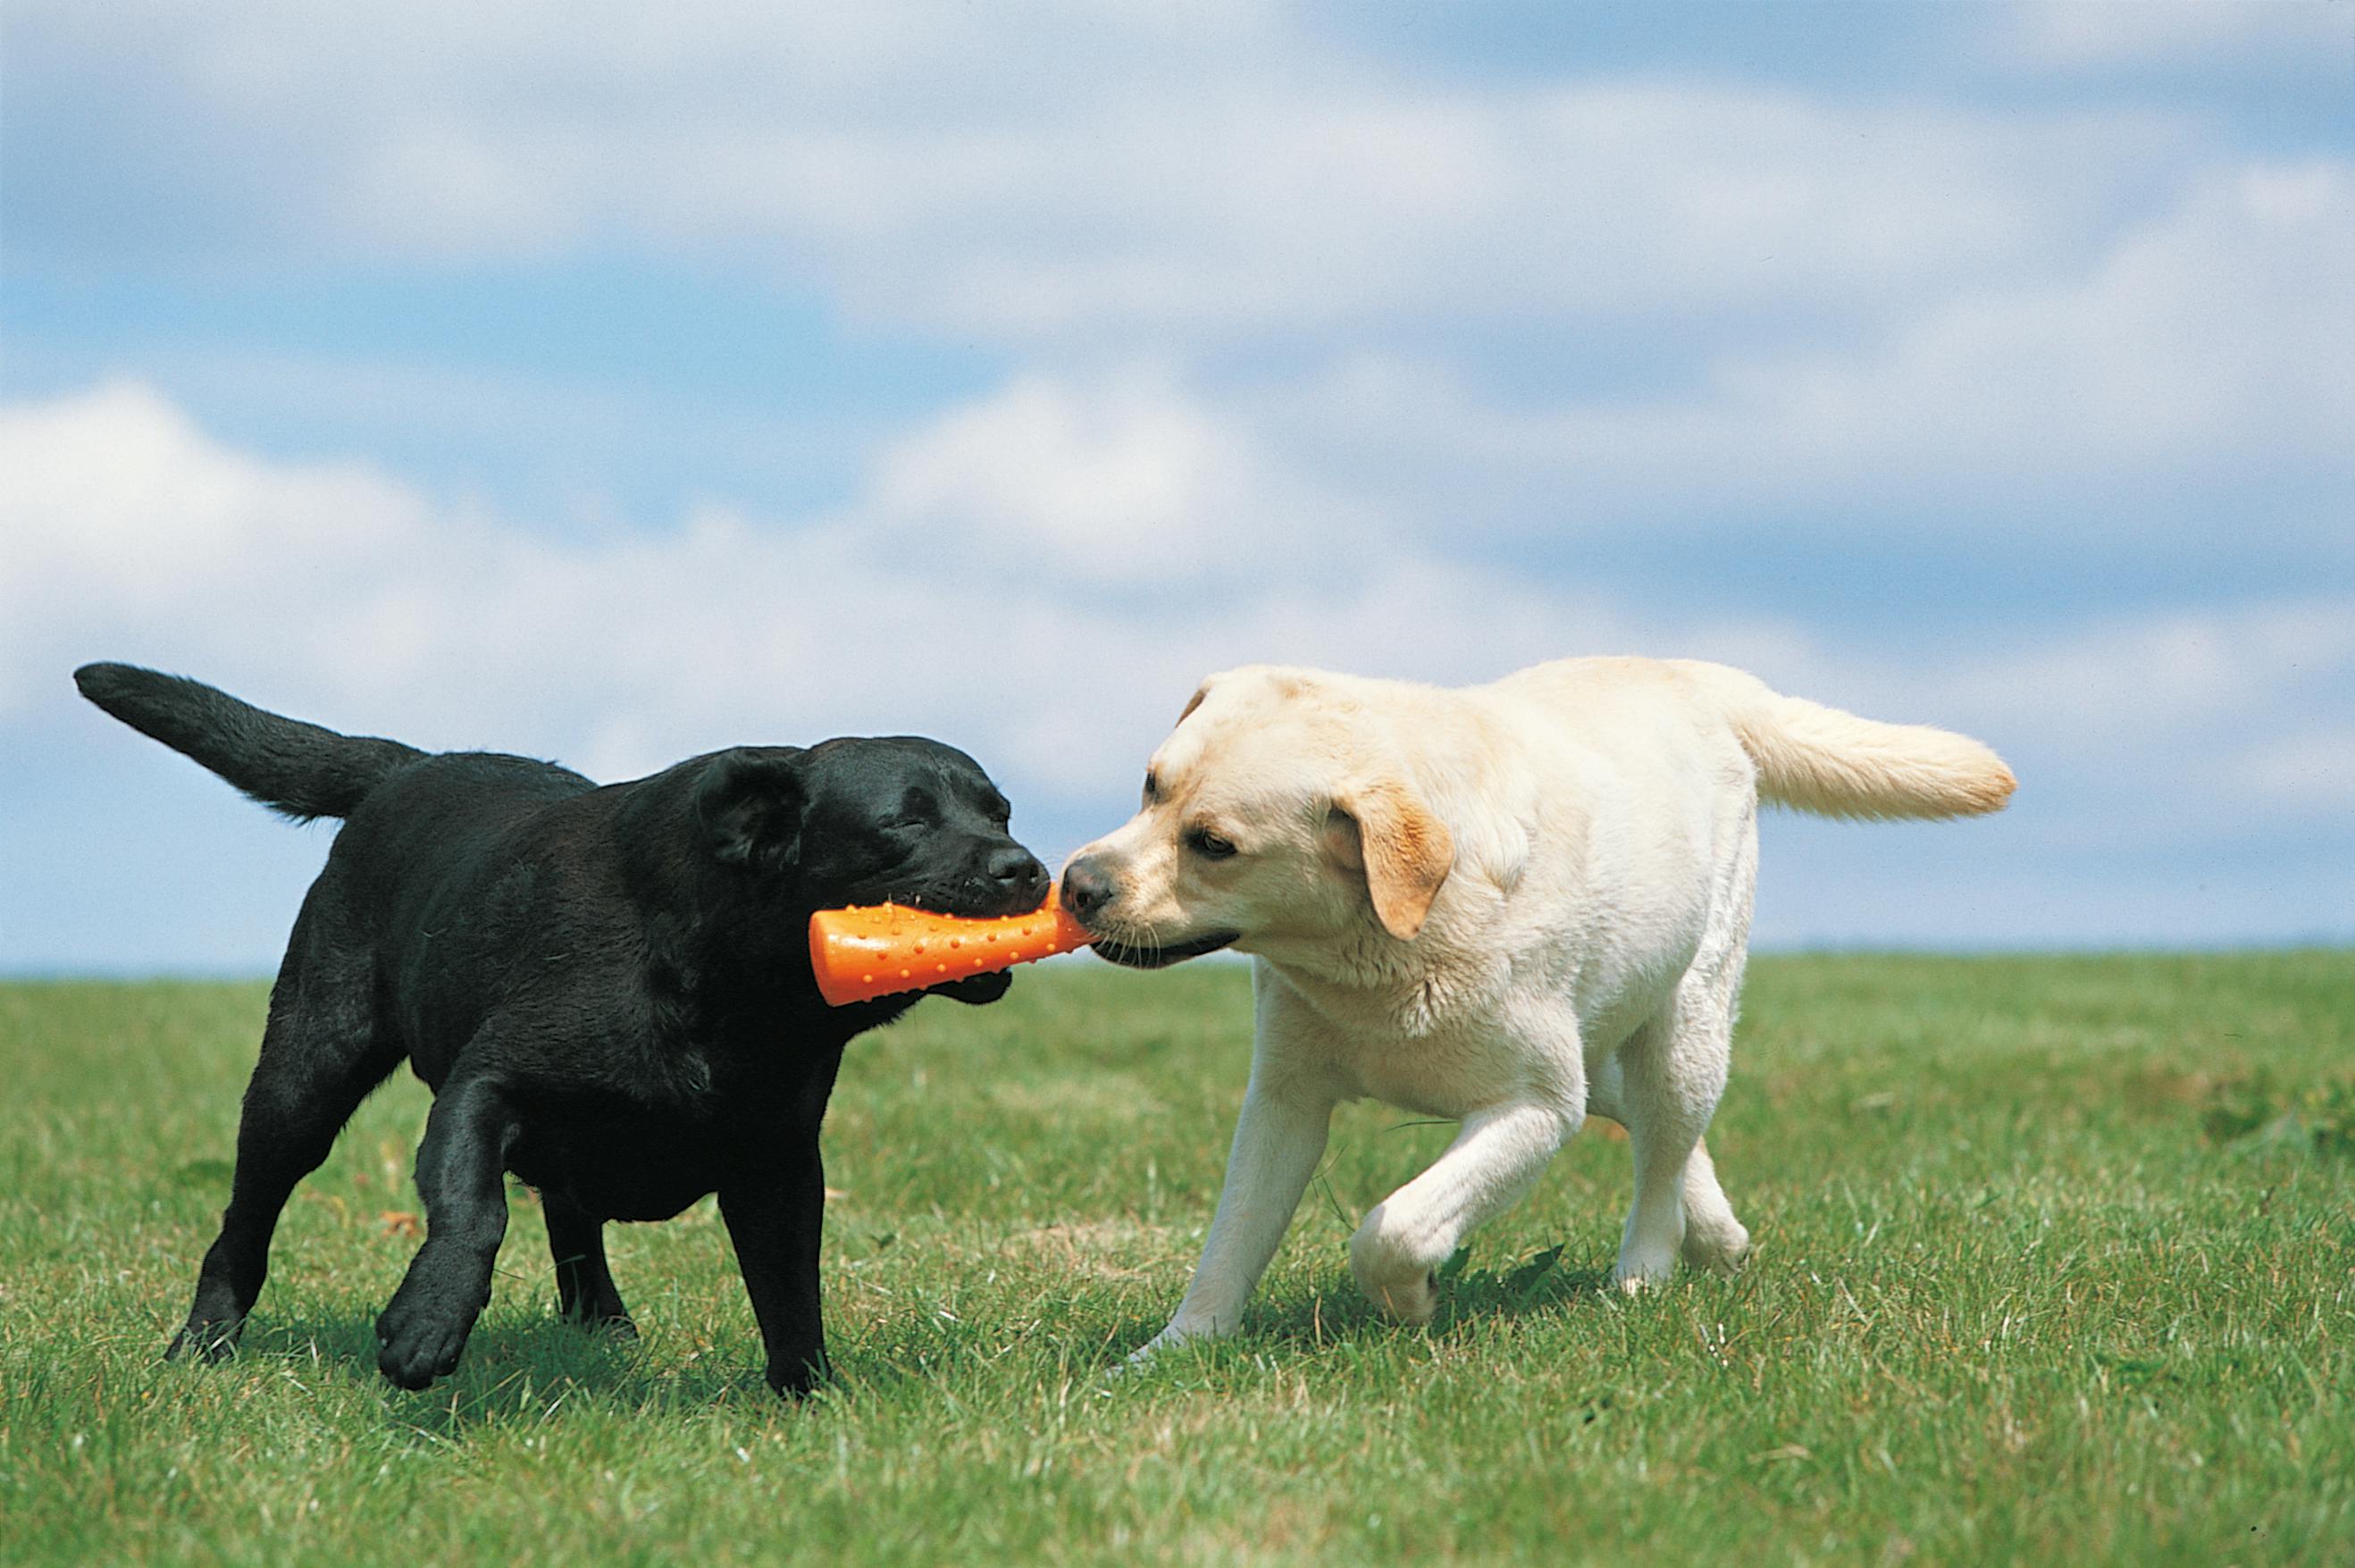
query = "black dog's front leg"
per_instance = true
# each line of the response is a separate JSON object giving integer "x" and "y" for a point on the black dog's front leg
{"x": 460, "y": 1169}
{"x": 775, "y": 1215}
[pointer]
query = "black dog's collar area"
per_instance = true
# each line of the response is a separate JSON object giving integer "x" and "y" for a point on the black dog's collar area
{"x": 1161, "y": 957}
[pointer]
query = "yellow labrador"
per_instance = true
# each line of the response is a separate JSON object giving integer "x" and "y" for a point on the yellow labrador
{"x": 1505, "y": 904}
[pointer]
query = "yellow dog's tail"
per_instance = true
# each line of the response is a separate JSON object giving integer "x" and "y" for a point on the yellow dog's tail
{"x": 1820, "y": 759}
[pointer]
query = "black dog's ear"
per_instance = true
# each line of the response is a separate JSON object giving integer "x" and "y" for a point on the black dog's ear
{"x": 750, "y": 802}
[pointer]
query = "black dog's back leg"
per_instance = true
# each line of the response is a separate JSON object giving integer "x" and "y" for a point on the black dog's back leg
{"x": 320, "y": 1058}
{"x": 460, "y": 1175}
{"x": 584, "y": 1285}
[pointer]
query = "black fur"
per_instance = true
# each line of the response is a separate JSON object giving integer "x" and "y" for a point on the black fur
{"x": 608, "y": 990}
{"x": 297, "y": 770}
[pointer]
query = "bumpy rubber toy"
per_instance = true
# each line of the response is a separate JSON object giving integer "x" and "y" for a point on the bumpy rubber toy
{"x": 862, "y": 953}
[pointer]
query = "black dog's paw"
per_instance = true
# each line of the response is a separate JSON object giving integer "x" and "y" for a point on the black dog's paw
{"x": 977, "y": 989}
{"x": 419, "y": 1339}
{"x": 794, "y": 1376}
{"x": 412, "y": 1352}
{"x": 209, "y": 1342}
{"x": 612, "y": 1325}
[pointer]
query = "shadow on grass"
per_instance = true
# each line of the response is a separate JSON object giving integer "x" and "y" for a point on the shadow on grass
{"x": 521, "y": 1368}
{"x": 1469, "y": 1299}
{"x": 516, "y": 1369}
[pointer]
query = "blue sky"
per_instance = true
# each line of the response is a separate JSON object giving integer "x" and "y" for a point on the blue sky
{"x": 613, "y": 383}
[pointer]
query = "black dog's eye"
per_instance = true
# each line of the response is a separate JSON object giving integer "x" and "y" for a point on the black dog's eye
{"x": 918, "y": 810}
{"x": 1209, "y": 844}
{"x": 1001, "y": 814}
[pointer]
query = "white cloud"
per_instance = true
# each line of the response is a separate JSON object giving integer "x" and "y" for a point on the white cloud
{"x": 1055, "y": 639}
{"x": 344, "y": 595}
{"x": 1004, "y": 613}
{"x": 1287, "y": 322}
{"x": 2309, "y": 39}
{"x": 2213, "y": 342}
{"x": 1125, "y": 479}
{"x": 500, "y": 127}
{"x": 2156, "y": 680}
{"x": 1044, "y": 175}
{"x": 114, "y": 500}
{"x": 1234, "y": 208}
{"x": 2310, "y": 770}
{"x": 992, "y": 613}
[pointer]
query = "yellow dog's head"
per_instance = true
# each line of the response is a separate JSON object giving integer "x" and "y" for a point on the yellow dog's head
{"x": 1277, "y": 811}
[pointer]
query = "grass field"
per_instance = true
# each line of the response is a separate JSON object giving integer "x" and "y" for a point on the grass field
{"x": 2056, "y": 1261}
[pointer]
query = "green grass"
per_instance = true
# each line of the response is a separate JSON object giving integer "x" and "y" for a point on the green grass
{"x": 2056, "y": 1259}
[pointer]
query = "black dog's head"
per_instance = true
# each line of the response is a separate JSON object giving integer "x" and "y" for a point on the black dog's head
{"x": 898, "y": 819}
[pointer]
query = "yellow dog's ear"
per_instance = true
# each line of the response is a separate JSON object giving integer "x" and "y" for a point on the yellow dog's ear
{"x": 1406, "y": 852}
{"x": 1195, "y": 701}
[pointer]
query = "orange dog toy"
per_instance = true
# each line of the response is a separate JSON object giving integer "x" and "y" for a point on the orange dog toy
{"x": 863, "y": 953}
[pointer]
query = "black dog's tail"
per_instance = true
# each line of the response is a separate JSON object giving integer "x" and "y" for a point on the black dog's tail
{"x": 296, "y": 768}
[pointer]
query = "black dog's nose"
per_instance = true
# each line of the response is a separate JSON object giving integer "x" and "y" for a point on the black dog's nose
{"x": 1086, "y": 888}
{"x": 1018, "y": 870}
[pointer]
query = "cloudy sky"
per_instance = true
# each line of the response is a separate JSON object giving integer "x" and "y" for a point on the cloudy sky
{"x": 612, "y": 383}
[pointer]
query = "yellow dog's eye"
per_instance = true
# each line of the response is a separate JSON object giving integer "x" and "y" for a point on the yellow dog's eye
{"x": 1209, "y": 844}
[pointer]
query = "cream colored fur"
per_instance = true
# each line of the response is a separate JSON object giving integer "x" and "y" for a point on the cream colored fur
{"x": 1508, "y": 905}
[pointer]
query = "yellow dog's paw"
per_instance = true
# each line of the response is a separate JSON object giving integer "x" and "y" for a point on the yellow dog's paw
{"x": 1395, "y": 1270}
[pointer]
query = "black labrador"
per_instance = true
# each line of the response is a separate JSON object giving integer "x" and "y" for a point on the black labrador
{"x": 608, "y": 990}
